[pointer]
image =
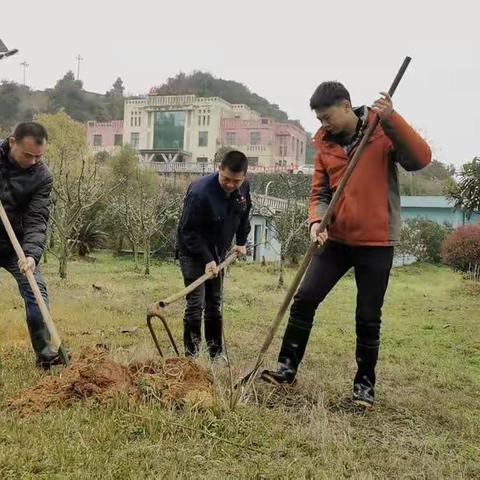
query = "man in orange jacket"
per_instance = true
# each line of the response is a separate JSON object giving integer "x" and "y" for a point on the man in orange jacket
{"x": 364, "y": 229}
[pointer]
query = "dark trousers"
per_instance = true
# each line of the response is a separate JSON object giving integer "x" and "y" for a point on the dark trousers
{"x": 39, "y": 335}
{"x": 372, "y": 267}
{"x": 204, "y": 301}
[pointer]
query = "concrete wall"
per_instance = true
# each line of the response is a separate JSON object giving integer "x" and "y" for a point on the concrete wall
{"x": 455, "y": 218}
{"x": 107, "y": 130}
{"x": 279, "y": 143}
{"x": 269, "y": 248}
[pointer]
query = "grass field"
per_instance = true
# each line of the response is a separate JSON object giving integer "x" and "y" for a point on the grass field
{"x": 426, "y": 423}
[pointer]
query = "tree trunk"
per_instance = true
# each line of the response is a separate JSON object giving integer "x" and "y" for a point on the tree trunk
{"x": 135, "y": 256}
{"x": 119, "y": 245}
{"x": 146, "y": 257}
{"x": 63, "y": 260}
{"x": 281, "y": 281}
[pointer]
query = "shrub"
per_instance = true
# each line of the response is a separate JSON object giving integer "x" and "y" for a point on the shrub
{"x": 461, "y": 249}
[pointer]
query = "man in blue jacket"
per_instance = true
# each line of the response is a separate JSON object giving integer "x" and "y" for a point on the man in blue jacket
{"x": 216, "y": 209}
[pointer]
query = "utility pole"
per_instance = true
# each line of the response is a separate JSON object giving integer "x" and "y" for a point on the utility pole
{"x": 79, "y": 59}
{"x": 25, "y": 65}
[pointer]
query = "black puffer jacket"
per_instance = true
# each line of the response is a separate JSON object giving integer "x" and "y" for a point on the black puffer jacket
{"x": 25, "y": 195}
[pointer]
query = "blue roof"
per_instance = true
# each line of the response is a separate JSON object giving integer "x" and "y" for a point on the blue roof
{"x": 426, "y": 201}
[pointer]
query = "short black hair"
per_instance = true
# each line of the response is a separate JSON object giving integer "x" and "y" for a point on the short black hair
{"x": 328, "y": 94}
{"x": 31, "y": 129}
{"x": 235, "y": 161}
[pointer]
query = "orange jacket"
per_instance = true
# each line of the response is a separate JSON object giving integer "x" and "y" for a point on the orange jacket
{"x": 368, "y": 212}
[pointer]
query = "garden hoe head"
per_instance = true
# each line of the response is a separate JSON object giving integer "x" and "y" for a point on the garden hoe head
{"x": 157, "y": 310}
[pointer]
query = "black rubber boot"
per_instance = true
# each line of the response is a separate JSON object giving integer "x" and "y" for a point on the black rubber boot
{"x": 364, "y": 382}
{"x": 46, "y": 362}
{"x": 285, "y": 374}
{"x": 363, "y": 395}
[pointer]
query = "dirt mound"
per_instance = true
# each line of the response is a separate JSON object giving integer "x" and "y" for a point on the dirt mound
{"x": 177, "y": 380}
{"x": 94, "y": 375}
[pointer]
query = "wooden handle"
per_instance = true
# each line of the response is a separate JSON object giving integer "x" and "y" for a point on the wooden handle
{"x": 199, "y": 281}
{"x": 55, "y": 338}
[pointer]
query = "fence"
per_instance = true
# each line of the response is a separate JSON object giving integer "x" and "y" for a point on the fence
{"x": 474, "y": 272}
{"x": 204, "y": 168}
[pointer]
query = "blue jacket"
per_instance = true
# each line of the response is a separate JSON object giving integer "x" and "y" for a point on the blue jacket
{"x": 210, "y": 219}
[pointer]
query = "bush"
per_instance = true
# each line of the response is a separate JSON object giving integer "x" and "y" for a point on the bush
{"x": 461, "y": 248}
{"x": 423, "y": 238}
{"x": 299, "y": 184}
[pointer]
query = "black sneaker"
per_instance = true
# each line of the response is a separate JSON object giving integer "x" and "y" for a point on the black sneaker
{"x": 363, "y": 395}
{"x": 47, "y": 363}
{"x": 283, "y": 375}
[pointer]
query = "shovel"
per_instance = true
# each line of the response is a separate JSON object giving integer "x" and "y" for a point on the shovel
{"x": 55, "y": 339}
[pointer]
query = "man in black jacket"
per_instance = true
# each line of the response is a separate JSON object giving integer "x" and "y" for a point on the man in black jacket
{"x": 25, "y": 187}
{"x": 216, "y": 209}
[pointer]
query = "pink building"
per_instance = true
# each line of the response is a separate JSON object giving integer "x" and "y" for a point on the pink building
{"x": 105, "y": 136}
{"x": 266, "y": 143}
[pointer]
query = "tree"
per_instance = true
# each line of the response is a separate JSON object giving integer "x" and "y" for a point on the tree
{"x": 114, "y": 100}
{"x": 289, "y": 224}
{"x": 69, "y": 95}
{"x": 10, "y": 98}
{"x": 78, "y": 184}
{"x": 461, "y": 249}
{"x": 423, "y": 238}
{"x": 432, "y": 180}
{"x": 466, "y": 192}
{"x": 142, "y": 206}
{"x": 3, "y": 134}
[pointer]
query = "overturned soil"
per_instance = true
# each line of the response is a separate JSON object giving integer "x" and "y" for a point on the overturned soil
{"x": 93, "y": 375}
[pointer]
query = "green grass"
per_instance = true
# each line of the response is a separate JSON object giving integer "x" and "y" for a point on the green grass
{"x": 426, "y": 423}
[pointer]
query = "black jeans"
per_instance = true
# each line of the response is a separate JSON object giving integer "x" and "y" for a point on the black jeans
{"x": 372, "y": 267}
{"x": 39, "y": 334}
{"x": 204, "y": 301}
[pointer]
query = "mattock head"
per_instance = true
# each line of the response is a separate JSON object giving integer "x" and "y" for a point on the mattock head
{"x": 157, "y": 310}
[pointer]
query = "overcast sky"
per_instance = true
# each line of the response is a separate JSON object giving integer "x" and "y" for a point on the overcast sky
{"x": 280, "y": 50}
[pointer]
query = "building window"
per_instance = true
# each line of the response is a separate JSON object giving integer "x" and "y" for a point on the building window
{"x": 118, "y": 139}
{"x": 135, "y": 139}
{"x": 97, "y": 140}
{"x": 231, "y": 138}
{"x": 255, "y": 138}
{"x": 252, "y": 161}
{"x": 199, "y": 120}
{"x": 169, "y": 130}
{"x": 208, "y": 119}
{"x": 202, "y": 139}
{"x": 264, "y": 121}
{"x": 202, "y": 159}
